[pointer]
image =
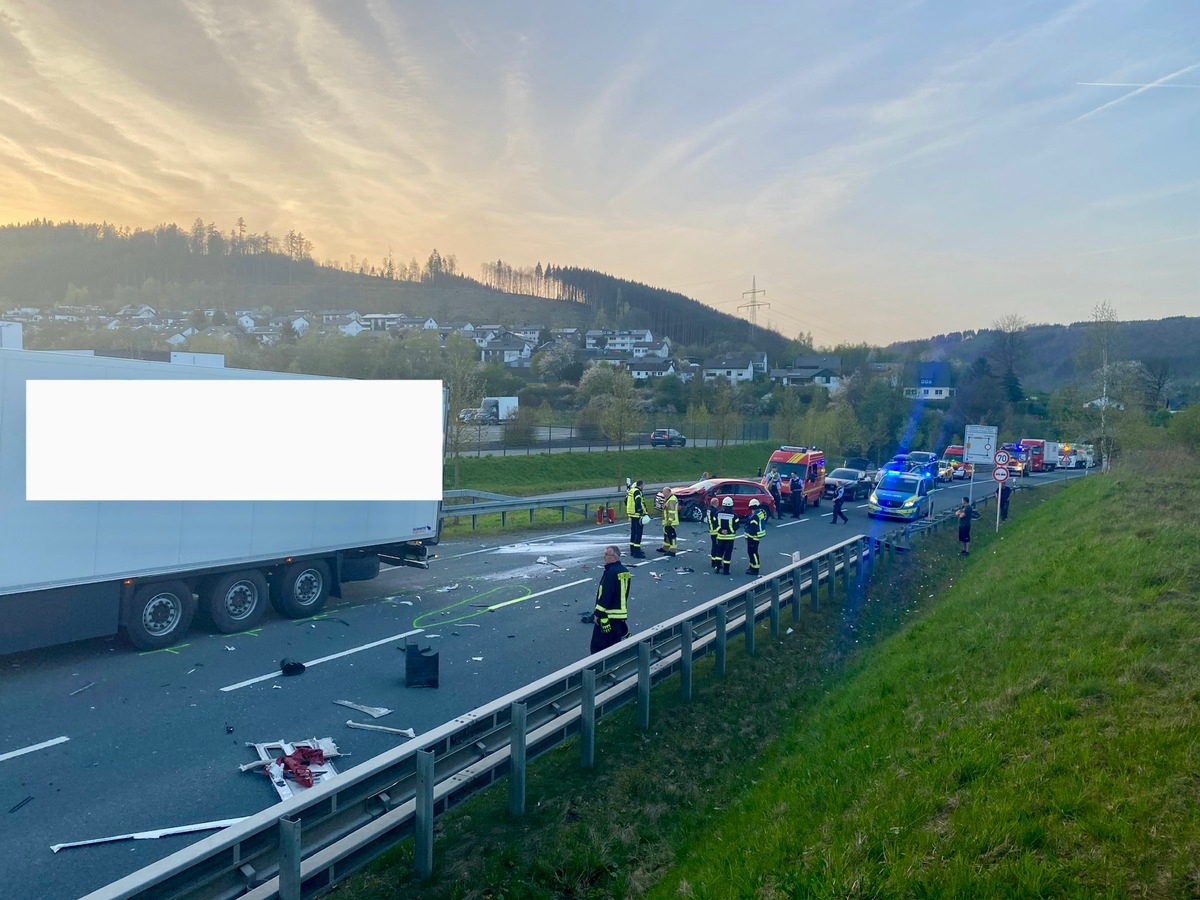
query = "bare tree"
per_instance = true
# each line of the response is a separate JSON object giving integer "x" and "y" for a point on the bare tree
{"x": 621, "y": 415}
{"x": 725, "y": 418}
{"x": 465, "y": 389}
{"x": 1159, "y": 373}
{"x": 1008, "y": 346}
{"x": 1100, "y": 353}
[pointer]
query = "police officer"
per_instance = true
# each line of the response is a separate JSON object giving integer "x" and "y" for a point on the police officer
{"x": 635, "y": 508}
{"x": 775, "y": 486}
{"x": 756, "y": 530}
{"x": 796, "y": 486}
{"x": 712, "y": 518}
{"x": 727, "y": 524}
{"x": 670, "y": 521}
{"x": 612, "y": 602}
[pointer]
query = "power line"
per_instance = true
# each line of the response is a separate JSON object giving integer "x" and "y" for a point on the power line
{"x": 754, "y": 304}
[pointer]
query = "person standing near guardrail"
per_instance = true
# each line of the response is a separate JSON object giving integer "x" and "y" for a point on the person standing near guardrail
{"x": 756, "y": 530}
{"x": 711, "y": 517}
{"x": 1005, "y": 495}
{"x": 635, "y": 507}
{"x": 611, "y": 616}
{"x": 965, "y": 514}
{"x": 670, "y": 522}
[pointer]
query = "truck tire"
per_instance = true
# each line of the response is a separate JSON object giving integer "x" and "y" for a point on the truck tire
{"x": 159, "y": 614}
{"x": 237, "y": 601}
{"x": 300, "y": 589}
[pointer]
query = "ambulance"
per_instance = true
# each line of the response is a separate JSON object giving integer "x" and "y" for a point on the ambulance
{"x": 808, "y": 463}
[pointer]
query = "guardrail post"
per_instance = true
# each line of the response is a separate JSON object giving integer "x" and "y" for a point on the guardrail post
{"x": 774, "y": 607}
{"x": 504, "y": 518}
{"x": 516, "y": 762}
{"x": 749, "y": 616}
{"x": 587, "y": 720}
{"x": 722, "y": 636}
{"x": 846, "y": 569}
{"x": 423, "y": 857}
{"x": 644, "y": 685}
{"x": 289, "y": 858}
{"x": 796, "y": 580}
{"x": 685, "y": 662}
{"x": 814, "y": 585}
{"x": 831, "y": 566}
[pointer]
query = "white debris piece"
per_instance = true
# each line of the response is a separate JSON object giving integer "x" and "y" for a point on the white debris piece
{"x": 366, "y": 726}
{"x": 375, "y": 712}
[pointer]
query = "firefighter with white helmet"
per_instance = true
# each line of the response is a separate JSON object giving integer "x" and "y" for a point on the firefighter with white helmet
{"x": 756, "y": 530}
{"x": 727, "y": 524}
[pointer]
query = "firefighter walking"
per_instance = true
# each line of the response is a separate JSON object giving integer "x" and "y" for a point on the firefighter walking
{"x": 727, "y": 524}
{"x": 612, "y": 602}
{"x": 670, "y": 521}
{"x": 635, "y": 508}
{"x": 712, "y": 518}
{"x": 756, "y": 530}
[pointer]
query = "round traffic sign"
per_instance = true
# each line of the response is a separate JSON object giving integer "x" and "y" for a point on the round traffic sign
{"x": 1001, "y": 458}
{"x": 1000, "y": 474}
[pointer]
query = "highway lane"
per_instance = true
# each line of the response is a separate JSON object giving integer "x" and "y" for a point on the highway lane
{"x": 148, "y": 744}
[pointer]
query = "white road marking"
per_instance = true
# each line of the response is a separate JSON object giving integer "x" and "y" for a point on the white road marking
{"x": 793, "y": 522}
{"x": 42, "y": 746}
{"x": 538, "y": 594}
{"x": 323, "y": 659}
{"x": 537, "y": 541}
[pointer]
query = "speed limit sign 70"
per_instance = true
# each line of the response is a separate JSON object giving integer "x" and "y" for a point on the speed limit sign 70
{"x": 1001, "y": 458}
{"x": 1000, "y": 474}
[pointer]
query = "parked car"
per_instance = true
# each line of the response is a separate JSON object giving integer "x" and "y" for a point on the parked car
{"x": 861, "y": 462}
{"x": 901, "y": 495}
{"x": 857, "y": 482}
{"x": 667, "y": 437}
{"x": 964, "y": 470}
{"x": 945, "y": 470}
{"x": 694, "y": 499}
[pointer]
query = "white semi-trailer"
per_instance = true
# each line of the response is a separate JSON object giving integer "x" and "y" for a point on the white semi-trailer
{"x": 71, "y": 570}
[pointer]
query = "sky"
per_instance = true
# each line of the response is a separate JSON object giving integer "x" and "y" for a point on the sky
{"x": 882, "y": 171}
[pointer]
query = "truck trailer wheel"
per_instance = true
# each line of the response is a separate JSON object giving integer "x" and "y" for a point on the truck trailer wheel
{"x": 301, "y": 588}
{"x": 237, "y": 601}
{"x": 159, "y": 614}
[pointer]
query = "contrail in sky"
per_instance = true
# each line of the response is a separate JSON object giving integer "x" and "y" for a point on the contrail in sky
{"x": 1161, "y": 82}
{"x": 1123, "y": 84}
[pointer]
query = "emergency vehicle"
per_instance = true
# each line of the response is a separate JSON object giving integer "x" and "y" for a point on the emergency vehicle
{"x": 1036, "y": 448}
{"x": 1018, "y": 458}
{"x": 808, "y": 463}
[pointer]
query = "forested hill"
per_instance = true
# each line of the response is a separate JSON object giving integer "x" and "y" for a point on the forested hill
{"x": 45, "y": 264}
{"x": 687, "y": 321}
{"x": 1050, "y": 356}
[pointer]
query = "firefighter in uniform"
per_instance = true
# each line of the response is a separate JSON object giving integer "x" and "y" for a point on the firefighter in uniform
{"x": 612, "y": 602}
{"x": 635, "y": 507}
{"x": 756, "y": 530}
{"x": 727, "y": 524}
{"x": 670, "y": 521}
{"x": 712, "y": 517}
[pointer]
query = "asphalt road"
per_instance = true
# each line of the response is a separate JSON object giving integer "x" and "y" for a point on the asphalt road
{"x": 153, "y": 740}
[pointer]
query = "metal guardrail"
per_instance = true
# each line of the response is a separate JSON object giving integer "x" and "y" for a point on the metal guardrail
{"x": 301, "y": 847}
{"x": 583, "y": 506}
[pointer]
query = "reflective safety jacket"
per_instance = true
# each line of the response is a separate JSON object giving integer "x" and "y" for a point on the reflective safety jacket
{"x": 612, "y": 594}
{"x": 635, "y": 504}
{"x": 756, "y": 525}
{"x": 671, "y": 511}
{"x": 712, "y": 517}
{"x": 727, "y": 524}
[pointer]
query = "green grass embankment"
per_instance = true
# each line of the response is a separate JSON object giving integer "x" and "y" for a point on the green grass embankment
{"x": 1019, "y": 723}
{"x": 543, "y": 473}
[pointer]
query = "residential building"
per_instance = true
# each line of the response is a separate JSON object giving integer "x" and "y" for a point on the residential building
{"x": 734, "y": 369}
{"x": 650, "y": 367}
{"x": 930, "y": 381}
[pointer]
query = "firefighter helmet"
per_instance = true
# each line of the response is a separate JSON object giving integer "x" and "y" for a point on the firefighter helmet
{"x": 728, "y": 501}
{"x": 754, "y": 503}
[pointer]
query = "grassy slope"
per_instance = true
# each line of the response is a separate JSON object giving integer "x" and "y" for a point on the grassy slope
{"x": 1019, "y": 723}
{"x": 547, "y": 472}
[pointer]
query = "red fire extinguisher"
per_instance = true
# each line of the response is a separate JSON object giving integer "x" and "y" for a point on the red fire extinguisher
{"x": 599, "y": 515}
{"x": 612, "y": 514}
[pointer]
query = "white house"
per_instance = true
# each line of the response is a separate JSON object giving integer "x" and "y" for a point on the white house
{"x": 734, "y": 369}
{"x": 650, "y": 367}
{"x": 507, "y": 350}
{"x": 657, "y": 349}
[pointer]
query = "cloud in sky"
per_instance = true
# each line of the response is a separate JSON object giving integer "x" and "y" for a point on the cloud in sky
{"x": 884, "y": 171}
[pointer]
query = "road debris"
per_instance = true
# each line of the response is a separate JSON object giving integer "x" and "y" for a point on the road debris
{"x": 294, "y": 767}
{"x": 366, "y": 726}
{"x": 227, "y": 647}
{"x": 375, "y": 712}
{"x": 289, "y": 666}
{"x": 22, "y": 803}
{"x": 82, "y": 689}
{"x": 151, "y": 835}
{"x": 449, "y": 587}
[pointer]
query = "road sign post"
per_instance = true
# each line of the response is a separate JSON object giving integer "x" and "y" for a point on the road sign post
{"x": 978, "y": 446}
{"x": 1000, "y": 474}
